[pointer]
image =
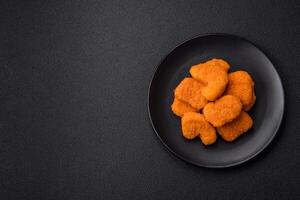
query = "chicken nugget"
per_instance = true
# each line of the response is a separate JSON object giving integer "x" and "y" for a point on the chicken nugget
{"x": 248, "y": 107}
{"x": 236, "y": 128}
{"x": 223, "y": 110}
{"x": 193, "y": 125}
{"x": 180, "y": 107}
{"x": 213, "y": 75}
{"x": 241, "y": 85}
{"x": 220, "y": 62}
{"x": 189, "y": 91}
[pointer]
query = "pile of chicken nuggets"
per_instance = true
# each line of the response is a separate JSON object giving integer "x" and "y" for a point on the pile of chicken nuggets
{"x": 213, "y": 100}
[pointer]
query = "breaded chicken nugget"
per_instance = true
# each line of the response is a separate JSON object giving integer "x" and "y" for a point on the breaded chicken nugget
{"x": 223, "y": 110}
{"x": 219, "y": 62}
{"x": 193, "y": 125}
{"x": 213, "y": 74}
{"x": 248, "y": 107}
{"x": 241, "y": 85}
{"x": 235, "y": 128}
{"x": 180, "y": 107}
{"x": 189, "y": 91}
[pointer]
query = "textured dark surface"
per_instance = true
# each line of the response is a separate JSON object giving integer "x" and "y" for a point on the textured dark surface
{"x": 73, "y": 93}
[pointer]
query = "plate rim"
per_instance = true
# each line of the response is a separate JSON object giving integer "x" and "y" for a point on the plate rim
{"x": 267, "y": 143}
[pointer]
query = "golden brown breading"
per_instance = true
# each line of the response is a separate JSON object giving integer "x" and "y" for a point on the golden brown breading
{"x": 180, "y": 107}
{"x": 241, "y": 85}
{"x": 235, "y": 128}
{"x": 248, "y": 107}
{"x": 193, "y": 125}
{"x": 223, "y": 110}
{"x": 189, "y": 91}
{"x": 213, "y": 74}
{"x": 218, "y": 62}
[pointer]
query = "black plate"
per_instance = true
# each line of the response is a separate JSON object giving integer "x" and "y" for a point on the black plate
{"x": 242, "y": 55}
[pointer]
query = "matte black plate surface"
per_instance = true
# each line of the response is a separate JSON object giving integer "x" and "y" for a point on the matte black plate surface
{"x": 242, "y": 55}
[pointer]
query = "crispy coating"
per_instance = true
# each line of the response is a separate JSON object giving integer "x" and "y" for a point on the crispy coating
{"x": 236, "y": 128}
{"x": 213, "y": 74}
{"x": 223, "y": 110}
{"x": 193, "y": 125}
{"x": 189, "y": 91}
{"x": 241, "y": 85}
{"x": 180, "y": 107}
{"x": 220, "y": 62}
{"x": 248, "y": 107}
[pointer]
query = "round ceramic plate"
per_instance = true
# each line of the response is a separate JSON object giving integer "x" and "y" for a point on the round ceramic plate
{"x": 242, "y": 55}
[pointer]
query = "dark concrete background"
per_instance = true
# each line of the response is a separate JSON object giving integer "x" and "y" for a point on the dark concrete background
{"x": 73, "y": 99}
